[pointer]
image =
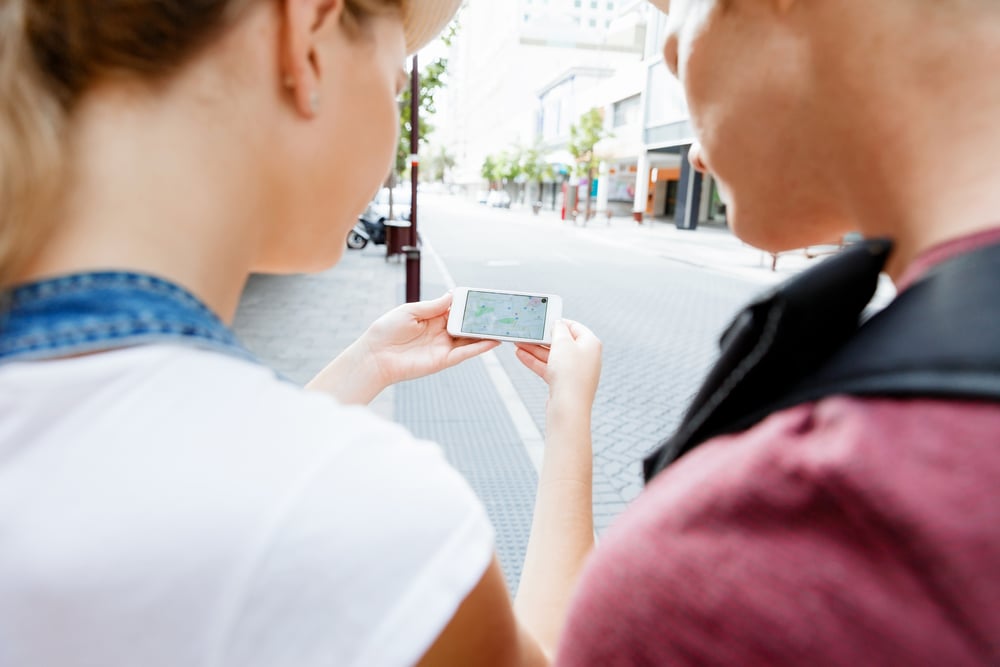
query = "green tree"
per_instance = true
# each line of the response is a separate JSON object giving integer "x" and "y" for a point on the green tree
{"x": 534, "y": 166}
{"x": 433, "y": 77}
{"x": 510, "y": 166}
{"x": 584, "y": 135}
{"x": 490, "y": 170}
{"x": 439, "y": 162}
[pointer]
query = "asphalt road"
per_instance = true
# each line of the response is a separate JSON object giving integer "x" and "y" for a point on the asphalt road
{"x": 659, "y": 321}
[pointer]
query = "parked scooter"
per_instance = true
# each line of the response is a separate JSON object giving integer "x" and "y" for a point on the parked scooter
{"x": 368, "y": 229}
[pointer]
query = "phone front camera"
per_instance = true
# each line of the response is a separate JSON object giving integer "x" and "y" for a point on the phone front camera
{"x": 544, "y": 300}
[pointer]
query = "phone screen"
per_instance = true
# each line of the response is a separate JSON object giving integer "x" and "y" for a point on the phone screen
{"x": 495, "y": 314}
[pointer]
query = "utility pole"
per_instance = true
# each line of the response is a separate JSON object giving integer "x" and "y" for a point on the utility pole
{"x": 413, "y": 249}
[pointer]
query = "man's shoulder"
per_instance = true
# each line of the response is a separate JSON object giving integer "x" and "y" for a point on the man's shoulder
{"x": 899, "y": 458}
{"x": 828, "y": 515}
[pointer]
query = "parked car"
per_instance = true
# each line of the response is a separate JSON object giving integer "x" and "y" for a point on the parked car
{"x": 379, "y": 206}
{"x": 498, "y": 199}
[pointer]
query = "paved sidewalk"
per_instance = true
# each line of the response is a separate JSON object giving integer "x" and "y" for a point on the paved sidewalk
{"x": 712, "y": 246}
{"x": 297, "y": 324}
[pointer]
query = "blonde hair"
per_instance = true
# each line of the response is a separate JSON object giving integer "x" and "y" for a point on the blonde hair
{"x": 32, "y": 125}
{"x": 52, "y": 51}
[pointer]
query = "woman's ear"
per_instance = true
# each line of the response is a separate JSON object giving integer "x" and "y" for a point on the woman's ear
{"x": 303, "y": 22}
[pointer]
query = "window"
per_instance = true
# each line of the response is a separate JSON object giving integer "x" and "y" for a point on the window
{"x": 626, "y": 112}
{"x": 654, "y": 46}
{"x": 665, "y": 101}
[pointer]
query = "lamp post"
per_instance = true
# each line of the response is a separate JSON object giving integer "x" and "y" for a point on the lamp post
{"x": 413, "y": 249}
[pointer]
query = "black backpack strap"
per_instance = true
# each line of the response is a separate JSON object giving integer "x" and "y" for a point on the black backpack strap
{"x": 939, "y": 338}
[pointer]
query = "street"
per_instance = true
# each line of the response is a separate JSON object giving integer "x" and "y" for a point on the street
{"x": 658, "y": 320}
{"x": 657, "y": 298}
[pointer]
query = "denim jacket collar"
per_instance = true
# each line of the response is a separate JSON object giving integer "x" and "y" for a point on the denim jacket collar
{"x": 90, "y": 312}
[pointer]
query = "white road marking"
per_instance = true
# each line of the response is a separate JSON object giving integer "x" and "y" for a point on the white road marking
{"x": 530, "y": 436}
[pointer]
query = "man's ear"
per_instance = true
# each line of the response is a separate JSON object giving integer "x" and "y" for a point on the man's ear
{"x": 303, "y": 22}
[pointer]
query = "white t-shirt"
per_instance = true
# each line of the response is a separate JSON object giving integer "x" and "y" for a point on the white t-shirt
{"x": 164, "y": 505}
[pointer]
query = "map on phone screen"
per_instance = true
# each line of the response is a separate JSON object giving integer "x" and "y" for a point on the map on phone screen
{"x": 515, "y": 315}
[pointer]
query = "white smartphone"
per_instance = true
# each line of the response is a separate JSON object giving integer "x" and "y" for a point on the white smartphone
{"x": 520, "y": 317}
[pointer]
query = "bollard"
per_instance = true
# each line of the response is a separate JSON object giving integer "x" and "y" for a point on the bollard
{"x": 412, "y": 273}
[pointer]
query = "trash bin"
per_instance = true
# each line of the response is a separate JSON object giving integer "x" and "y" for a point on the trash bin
{"x": 397, "y": 235}
{"x": 412, "y": 273}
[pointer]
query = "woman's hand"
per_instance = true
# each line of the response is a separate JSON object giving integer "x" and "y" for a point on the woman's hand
{"x": 571, "y": 367}
{"x": 406, "y": 343}
{"x": 412, "y": 341}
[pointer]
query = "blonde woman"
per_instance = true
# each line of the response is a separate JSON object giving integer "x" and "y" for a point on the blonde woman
{"x": 164, "y": 500}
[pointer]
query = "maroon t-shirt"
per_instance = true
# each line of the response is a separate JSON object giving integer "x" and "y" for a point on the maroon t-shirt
{"x": 843, "y": 532}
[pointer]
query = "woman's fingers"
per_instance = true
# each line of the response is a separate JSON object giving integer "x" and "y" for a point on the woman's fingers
{"x": 561, "y": 332}
{"x": 531, "y": 362}
{"x": 538, "y": 351}
{"x": 467, "y": 349}
{"x": 579, "y": 330}
{"x": 425, "y": 310}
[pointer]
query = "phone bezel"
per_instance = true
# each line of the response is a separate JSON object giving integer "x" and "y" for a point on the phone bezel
{"x": 460, "y": 298}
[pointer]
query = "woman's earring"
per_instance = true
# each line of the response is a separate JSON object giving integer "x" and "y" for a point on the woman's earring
{"x": 314, "y": 102}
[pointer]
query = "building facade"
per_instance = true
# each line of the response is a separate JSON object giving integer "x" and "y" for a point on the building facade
{"x": 504, "y": 55}
{"x": 523, "y": 73}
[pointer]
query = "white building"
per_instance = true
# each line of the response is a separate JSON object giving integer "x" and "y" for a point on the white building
{"x": 504, "y": 54}
{"x": 644, "y": 169}
{"x": 673, "y": 190}
{"x": 522, "y": 73}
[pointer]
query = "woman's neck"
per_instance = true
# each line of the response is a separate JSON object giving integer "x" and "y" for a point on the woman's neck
{"x": 156, "y": 189}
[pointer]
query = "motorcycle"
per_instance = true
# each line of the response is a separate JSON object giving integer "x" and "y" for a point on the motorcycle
{"x": 368, "y": 229}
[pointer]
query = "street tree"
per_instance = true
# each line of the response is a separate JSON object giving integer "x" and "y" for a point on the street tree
{"x": 510, "y": 166}
{"x": 433, "y": 77}
{"x": 584, "y": 135}
{"x": 536, "y": 169}
{"x": 490, "y": 170}
{"x": 439, "y": 162}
